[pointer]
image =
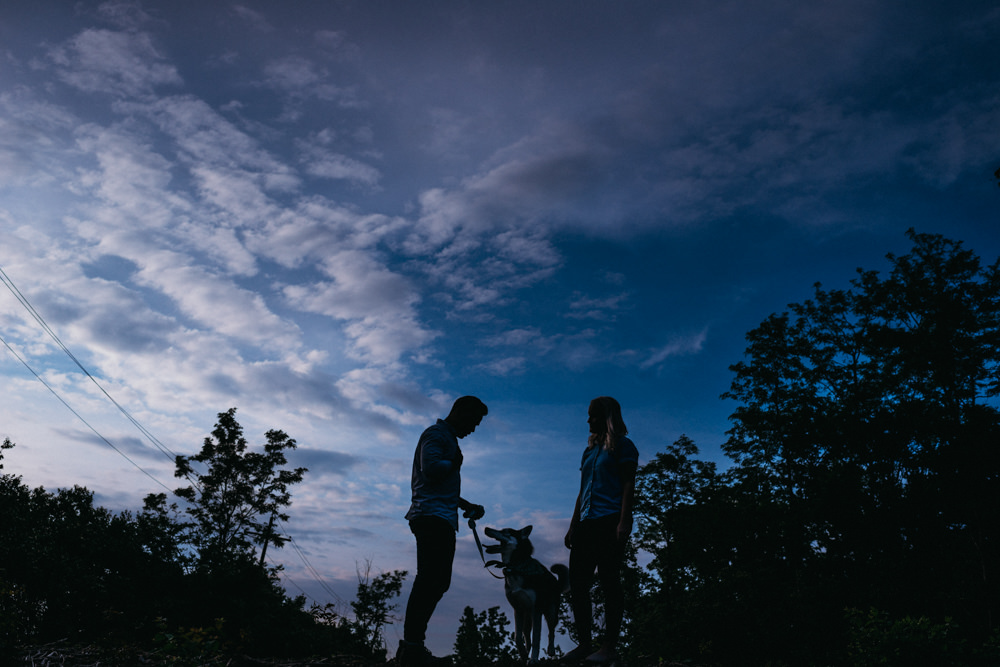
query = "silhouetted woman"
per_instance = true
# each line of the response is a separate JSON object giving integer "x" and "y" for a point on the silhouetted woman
{"x": 601, "y": 525}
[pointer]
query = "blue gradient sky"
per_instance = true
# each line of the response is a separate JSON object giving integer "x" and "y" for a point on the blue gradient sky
{"x": 340, "y": 216}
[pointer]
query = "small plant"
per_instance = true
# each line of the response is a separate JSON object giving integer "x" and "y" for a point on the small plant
{"x": 18, "y": 617}
{"x": 877, "y": 639}
{"x": 191, "y": 644}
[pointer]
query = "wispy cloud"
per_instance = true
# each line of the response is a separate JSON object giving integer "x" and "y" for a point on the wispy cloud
{"x": 679, "y": 346}
{"x": 377, "y": 303}
{"x": 124, "y": 64}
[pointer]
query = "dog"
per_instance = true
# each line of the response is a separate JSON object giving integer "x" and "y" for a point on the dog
{"x": 532, "y": 590}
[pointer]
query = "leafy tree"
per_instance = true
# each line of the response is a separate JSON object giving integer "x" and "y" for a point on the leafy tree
{"x": 669, "y": 488}
{"x": 236, "y": 502}
{"x": 71, "y": 570}
{"x": 7, "y": 444}
{"x": 866, "y": 432}
{"x": 483, "y": 638}
{"x": 373, "y": 608}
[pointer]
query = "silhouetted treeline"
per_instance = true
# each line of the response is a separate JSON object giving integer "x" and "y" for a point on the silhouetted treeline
{"x": 859, "y": 523}
{"x": 179, "y": 583}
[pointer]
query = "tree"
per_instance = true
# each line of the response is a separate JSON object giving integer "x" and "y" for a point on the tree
{"x": 668, "y": 489}
{"x": 373, "y": 608}
{"x": 867, "y": 427}
{"x": 236, "y": 502}
{"x": 7, "y": 444}
{"x": 483, "y": 638}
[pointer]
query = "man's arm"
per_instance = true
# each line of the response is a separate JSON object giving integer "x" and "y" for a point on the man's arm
{"x": 433, "y": 461}
{"x": 471, "y": 510}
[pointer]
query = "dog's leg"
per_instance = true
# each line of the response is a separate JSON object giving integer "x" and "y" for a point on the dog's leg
{"x": 551, "y": 619}
{"x": 520, "y": 641}
{"x": 536, "y": 633}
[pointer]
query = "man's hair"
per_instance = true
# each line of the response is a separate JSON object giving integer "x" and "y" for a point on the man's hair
{"x": 468, "y": 406}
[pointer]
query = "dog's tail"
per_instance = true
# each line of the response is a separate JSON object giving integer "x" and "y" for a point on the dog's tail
{"x": 562, "y": 573}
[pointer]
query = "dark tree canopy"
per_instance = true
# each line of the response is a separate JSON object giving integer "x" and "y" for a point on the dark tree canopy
{"x": 866, "y": 473}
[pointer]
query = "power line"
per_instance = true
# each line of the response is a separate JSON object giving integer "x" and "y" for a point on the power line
{"x": 52, "y": 334}
{"x": 79, "y": 416}
{"x": 316, "y": 575}
{"x": 23, "y": 300}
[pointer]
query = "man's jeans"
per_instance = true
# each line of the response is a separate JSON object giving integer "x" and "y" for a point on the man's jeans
{"x": 435, "y": 555}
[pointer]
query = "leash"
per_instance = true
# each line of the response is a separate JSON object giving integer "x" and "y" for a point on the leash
{"x": 479, "y": 545}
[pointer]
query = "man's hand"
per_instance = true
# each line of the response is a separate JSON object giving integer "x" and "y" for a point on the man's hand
{"x": 474, "y": 512}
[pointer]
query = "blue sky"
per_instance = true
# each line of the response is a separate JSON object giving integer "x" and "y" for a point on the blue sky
{"x": 340, "y": 216}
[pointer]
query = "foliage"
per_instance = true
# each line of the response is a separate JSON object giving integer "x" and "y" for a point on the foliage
{"x": 866, "y": 475}
{"x": 483, "y": 638}
{"x": 74, "y": 572}
{"x": 876, "y": 639}
{"x": 237, "y": 500}
{"x": 373, "y": 608}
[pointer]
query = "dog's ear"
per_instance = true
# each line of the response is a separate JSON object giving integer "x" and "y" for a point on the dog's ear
{"x": 526, "y": 531}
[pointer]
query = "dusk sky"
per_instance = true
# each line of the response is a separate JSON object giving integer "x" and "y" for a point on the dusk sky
{"x": 338, "y": 217}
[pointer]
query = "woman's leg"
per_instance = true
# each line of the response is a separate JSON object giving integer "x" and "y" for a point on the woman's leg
{"x": 610, "y": 557}
{"x": 582, "y": 563}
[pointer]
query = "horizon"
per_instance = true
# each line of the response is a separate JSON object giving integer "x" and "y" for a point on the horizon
{"x": 339, "y": 217}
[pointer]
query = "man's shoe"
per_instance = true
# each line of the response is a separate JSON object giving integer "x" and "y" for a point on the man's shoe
{"x": 577, "y": 655}
{"x": 405, "y": 653}
{"x": 602, "y": 657}
{"x": 413, "y": 654}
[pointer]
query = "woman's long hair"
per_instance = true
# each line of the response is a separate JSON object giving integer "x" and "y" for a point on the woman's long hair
{"x": 616, "y": 428}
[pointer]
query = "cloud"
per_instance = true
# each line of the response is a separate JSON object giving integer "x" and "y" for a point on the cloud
{"x": 378, "y": 303}
{"x": 527, "y": 349}
{"x": 679, "y": 346}
{"x": 124, "y": 14}
{"x": 252, "y": 18}
{"x": 300, "y": 78}
{"x": 205, "y": 138}
{"x": 215, "y": 302}
{"x": 322, "y": 462}
{"x": 132, "y": 447}
{"x": 584, "y": 307}
{"x": 323, "y": 163}
{"x": 123, "y": 64}
{"x": 33, "y": 137}
{"x": 316, "y": 228}
{"x": 537, "y": 181}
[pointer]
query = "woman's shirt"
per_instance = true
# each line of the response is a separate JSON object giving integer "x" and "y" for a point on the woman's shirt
{"x": 601, "y": 487}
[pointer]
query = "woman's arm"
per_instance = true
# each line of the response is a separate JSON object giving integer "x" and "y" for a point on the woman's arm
{"x": 568, "y": 540}
{"x": 628, "y": 496}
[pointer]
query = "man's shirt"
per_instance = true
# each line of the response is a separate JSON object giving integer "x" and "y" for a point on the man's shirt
{"x": 435, "y": 482}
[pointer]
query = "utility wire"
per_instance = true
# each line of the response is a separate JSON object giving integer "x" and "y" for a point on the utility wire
{"x": 23, "y": 300}
{"x": 45, "y": 327}
{"x": 316, "y": 575}
{"x": 80, "y": 417}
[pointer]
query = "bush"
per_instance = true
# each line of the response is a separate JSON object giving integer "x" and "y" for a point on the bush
{"x": 876, "y": 639}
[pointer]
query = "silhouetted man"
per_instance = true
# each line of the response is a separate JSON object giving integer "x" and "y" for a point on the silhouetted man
{"x": 436, "y": 483}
